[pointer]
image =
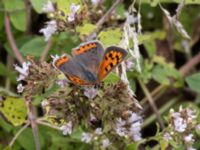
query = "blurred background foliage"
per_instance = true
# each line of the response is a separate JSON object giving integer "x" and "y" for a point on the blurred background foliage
{"x": 169, "y": 62}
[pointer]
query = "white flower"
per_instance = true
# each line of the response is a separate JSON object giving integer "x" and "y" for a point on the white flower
{"x": 191, "y": 148}
{"x": 167, "y": 136}
{"x": 61, "y": 82}
{"x": 98, "y": 131}
{"x": 198, "y": 127}
{"x": 95, "y": 2}
{"x": 90, "y": 92}
{"x": 20, "y": 88}
{"x": 48, "y": 7}
{"x": 134, "y": 117}
{"x": 105, "y": 143}
{"x": 67, "y": 128}
{"x": 73, "y": 9}
{"x": 86, "y": 137}
{"x": 121, "y": 131}
{"x": 44, "y": 103}
{"x": 191, "y": 113}
{"x": 49, "y": 29}
{"x": 180, "y": 124}
{"x": 120, "y": 122}
{"x": 129, "y": 64}
{"x": 24, "y": 70}
{"x": 135, "y": 130}
{"x": 189, "y": 138}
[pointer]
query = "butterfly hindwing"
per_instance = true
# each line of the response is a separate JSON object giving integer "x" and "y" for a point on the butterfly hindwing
{"x": 113, "y": 56}
{"x": 71, "y": 70}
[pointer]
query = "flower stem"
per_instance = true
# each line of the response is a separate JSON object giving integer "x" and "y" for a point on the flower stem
{"x": 151, "y": 102}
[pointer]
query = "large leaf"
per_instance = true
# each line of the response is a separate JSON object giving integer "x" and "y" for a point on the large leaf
{"x": 17, "y": 13}
{"x": 110, "y": 37}
{"x": 38, "y": 4}
{"x": 33, "y": 47}
{"x": 14, "y": 110}
{"x": 194, "y": 82}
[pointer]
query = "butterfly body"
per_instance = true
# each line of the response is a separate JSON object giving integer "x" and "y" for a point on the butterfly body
{"x": 90, "y": 64}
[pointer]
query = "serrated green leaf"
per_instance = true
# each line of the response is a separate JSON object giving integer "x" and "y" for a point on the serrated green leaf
{"x": 110, "y": 37}
{"x": 33, "y": 47}
{"x": 17, "y": 13}
{"x": 112, "y": 78}
{"x": 38, "y": 4}
{"x": 14, "y": 110}
{"x": 85, "y": 29}
{"x": 194, "y": 82}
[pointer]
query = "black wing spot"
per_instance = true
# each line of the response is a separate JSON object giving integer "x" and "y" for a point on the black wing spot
{"x": 110, "y": 55}
{"x": 111, "y": 65}
{"x": 106, "y": 69}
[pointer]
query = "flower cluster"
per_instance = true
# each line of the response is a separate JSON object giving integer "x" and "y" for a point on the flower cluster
{"x": 181, "y": 127}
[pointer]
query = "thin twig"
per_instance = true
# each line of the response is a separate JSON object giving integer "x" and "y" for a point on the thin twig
{"x": 33, "y": 122}
{"x": 47, "y": 124}
{"x": 18, "y": 134}
{"x": 105, "y": 17}
{"x": 152, "y": 104}
{"x": 185, "y": 69}
{"x": 46, "y": 50}
{"x": 11, "y": 40}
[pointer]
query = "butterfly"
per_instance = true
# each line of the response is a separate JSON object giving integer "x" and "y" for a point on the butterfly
{"x": 90, "y": 64}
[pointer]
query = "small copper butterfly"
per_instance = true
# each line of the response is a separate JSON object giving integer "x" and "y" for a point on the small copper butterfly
{"x": 90, "y": 64}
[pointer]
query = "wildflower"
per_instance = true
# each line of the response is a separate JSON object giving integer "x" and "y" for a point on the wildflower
{"x": 135, "y": 131}
{"x": 86, "y": 137}
{"x": 167, "y": 136}
{"x": 24, "y": 70}
{"x": 95, "y": 2}
{"x": 121, "y": 131}
{"x": 44, "y": 103}
{"x": 48, "y": 7}
{"x": 49, "y": 29}
{"x": 105, "y": 143}
{"x": 131, "y": 19}
{"x": 189, "y": 138}
{"x": 180, "y": 124}
{"x": 61, "y": 82}
{"x": 134, "y": 117}
{"x": 73, "y": 9}
{"x": 129, "y": 64}
{"x": 191, "y": 148}
{"x": 20, "y": 88}
{"x": 90, "y": 92}
{"x": 67, "y": 128}
{"x": 120, "y": 122}
{"x": 98, "y": 131}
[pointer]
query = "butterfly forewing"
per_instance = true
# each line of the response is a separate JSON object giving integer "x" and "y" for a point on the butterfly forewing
{"x": 89, "y": 55}
{"x": 113, "y": 56}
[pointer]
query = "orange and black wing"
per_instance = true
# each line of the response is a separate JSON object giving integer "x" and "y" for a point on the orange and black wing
{"x": 113, "y": 56}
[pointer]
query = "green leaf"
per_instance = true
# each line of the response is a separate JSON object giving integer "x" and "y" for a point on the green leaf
{"x": 7, "y": 72}
{"x": 64, "y": 7}
{"x": 17, "y": 13}
{"x": 160, "y": 75}
{"x": 85, "y": 29}
{"x": 110, "y": 37}
{"x": 33, "y": 47}
{"x": 38, "y": 4}
{"x": 194, "y": 82}
{"x": 112, "y": 78}
{"x": 14, "y": 110}
{"x": 151, "y": 48}
{"x": 26, "y": 139}
{"x": 132, "y": 146}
